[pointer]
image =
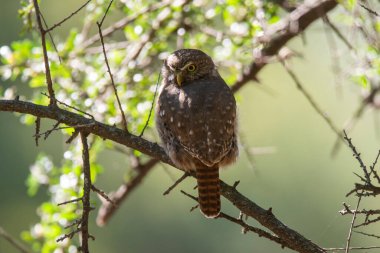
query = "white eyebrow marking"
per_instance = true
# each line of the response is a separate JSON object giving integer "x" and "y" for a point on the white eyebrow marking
{"x": 187, "y": 64}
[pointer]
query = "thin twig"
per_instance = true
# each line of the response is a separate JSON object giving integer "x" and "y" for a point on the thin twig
{"x": 367, "y": 222}
{"x": 69, "y": 106}
{"x": 76, "y": 222}
{"x": 352, "y": 248}
{"x": 72, "y": 137}
{"x": 105, "y": 14}
{"x": 372, "y": 168}
{"x": 47, "y": 133}
{"x": 334, "y": 53}
{"x": 69, "y": 235}
{"x": 359, "y": 112}
{"x": 103, "y": 194}
{"x": 67, "y": 18}
{"x": 338, "y": 33}
{"x": 15, "y": 243}
{"x": 55, "y": 128}
{"x": 249, "y": 155}
{"x": 183, "y": 177}
{"x": 357, "y": 156}
{"x": 369, "y": 10}
{"x": 189, "y": 195}
{"x": 311, "y": 101}
{"x": 45, "y": 54}
{"x": 51, "y": 38}
{"x": 70, "y": 201}
{"x": 152, "y": 105}
{"x": 352, "y": 226}
{"x": 125, "y": 21}
{"x": 246, "y": 228}
{"x": 110, "y": 74}
{"x": 366, "y": 234}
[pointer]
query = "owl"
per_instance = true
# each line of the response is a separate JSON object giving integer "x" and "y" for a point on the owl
{"x": 196, "y": 121}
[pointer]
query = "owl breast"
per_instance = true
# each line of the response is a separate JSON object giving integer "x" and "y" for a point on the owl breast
{"x": 197, "y": 123}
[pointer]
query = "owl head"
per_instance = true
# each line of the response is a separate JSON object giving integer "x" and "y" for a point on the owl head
{"x": 186, "y": 65}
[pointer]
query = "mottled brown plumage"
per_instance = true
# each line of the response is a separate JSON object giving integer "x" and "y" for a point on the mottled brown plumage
{"x": 196, "y": 121}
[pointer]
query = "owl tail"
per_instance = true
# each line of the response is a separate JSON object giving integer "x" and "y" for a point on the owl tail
{"x": 208, "y": 191}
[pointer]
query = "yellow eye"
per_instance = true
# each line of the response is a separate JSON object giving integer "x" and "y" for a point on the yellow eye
{"x": 191, "y": 67}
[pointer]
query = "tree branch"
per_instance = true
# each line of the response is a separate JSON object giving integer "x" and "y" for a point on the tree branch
{"x": 280, "y": 33}
{"x": 46, "y": 58}
{"x": 291, "y": 238}
{"x": 86, "y": 193}
{"x": 97, "y": 128}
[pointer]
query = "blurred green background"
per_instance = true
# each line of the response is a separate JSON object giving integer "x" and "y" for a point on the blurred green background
{"x": 301, "y": 181}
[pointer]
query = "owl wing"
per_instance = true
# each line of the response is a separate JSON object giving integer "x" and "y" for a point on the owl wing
{"x": 202, "y": 117}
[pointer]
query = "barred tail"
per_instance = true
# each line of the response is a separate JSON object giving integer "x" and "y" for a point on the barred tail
{"x": 209, "y": 191}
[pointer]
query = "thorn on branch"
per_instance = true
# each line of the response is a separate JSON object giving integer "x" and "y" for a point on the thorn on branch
{"x": 70, "y": 201}
{"x": 76, "y": 222}
{"x": 69, "y": 106}
{"x": 367, "y": 222}
{"x": 189, "y": 195}
{"x": 346, "y": 210}
{"x": 356, "y": 154}
{"x": 67, "y": 18}
{"x": 72, "y": 137}
{"x": 103, "y": 194}
{"x": 183, "y": 177}
{"x": 246, "y": 228}
{"x": 373, "y": 171}
{"x": 109, "y": 71}
{"x": 236, "y": 184}
{"x": 194, "y": 207}
{"x": 69, "y": 235}
{"x": 151, "y": 107}
{"x": 47, "y": 133}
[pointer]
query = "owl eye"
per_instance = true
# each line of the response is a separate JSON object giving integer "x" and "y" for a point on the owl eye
{"x": 191, "y": 68}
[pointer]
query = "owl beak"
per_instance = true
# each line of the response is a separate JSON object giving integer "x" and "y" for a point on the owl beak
{"x": 179, "y": 78}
